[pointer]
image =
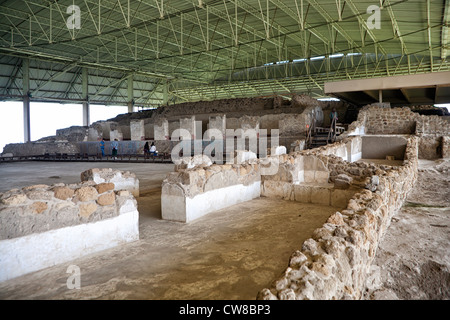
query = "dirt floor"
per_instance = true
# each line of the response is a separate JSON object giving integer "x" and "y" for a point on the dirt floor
{"x": 413, "y": 259}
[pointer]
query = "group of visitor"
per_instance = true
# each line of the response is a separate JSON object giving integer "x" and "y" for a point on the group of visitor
{"x": 148, "y": 150}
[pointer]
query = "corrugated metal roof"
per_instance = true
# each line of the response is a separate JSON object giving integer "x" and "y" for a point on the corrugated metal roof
{"x": 213, "y": 49}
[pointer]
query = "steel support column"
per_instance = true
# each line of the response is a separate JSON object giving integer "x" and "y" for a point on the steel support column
{"x": 85, "y": 93}
{"x": 26, "y": 100}
{"x": 130, "y": 93}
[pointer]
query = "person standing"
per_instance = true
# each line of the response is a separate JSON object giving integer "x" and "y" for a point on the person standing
{"x": 146, "y": 149}
{"x": 102, "y": 147}
{"x": 114, "y": 146}
{"x": 153, "y": 151}
{"x": 333, "y": 115}
{"x": 333, "y": 120}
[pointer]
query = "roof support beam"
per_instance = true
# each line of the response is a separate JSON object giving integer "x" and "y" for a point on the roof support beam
{"x": 445, "y": 33}
{"x": 363, "y": 23}
{"x": 430, "y": 48}
{"x": 396, "y": 28}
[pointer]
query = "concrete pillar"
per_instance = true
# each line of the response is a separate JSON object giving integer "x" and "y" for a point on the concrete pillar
{"x": 26, "y": 100}
{"x": 218, "y": 122}
{"x": 161, "y": 129}
{"x": 130, "y": 94}
{"x": 249, "y": 123}
{"x": 115, "y": 132}
{"x": 85, "y": 94}
{"x": 137, "y": 130}
{"x": 380, "y": 96}
{"x": 189, "y": 124}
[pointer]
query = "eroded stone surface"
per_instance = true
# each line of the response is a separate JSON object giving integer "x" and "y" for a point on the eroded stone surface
{"x": 39, "y": 208}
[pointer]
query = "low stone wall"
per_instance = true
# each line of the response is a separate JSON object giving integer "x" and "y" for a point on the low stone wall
{"x": 348, "y": 149}
{"x": 335, "y": 262}
{"x": 41, "y": 147}
{"x": 321, "y": 176}
{"x": 121, "y": 180}
{"x": 432, "y": 130}
{"x": 44, "y": 225}
{"x": 190, "y": 193}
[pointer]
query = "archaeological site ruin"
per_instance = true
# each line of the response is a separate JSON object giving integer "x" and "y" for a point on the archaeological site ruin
{"x": 362, "y": 179}
{"x": 272, "y": 150}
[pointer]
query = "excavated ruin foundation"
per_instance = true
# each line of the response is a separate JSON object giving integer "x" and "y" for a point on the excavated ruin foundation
{"x": 335, "y": 262}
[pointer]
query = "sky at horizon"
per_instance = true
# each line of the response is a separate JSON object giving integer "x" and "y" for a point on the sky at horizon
{"x": 46, "y": 118}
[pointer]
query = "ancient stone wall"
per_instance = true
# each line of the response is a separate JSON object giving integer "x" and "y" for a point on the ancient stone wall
{"x": 390, "y": 120}
{"x": 42, "y": 225}
{"x": 377, "y": 120}
{"x": 288, "y": 116}
{"x": 334, "y": 263}
{"x": 193, "y": 191}
{"x": 120, "y": 180}
{"x": 41, "y": 148}
{"x": 40, "y": 208}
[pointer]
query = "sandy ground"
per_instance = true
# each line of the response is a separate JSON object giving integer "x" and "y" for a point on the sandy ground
{"x": 413, "y": 259}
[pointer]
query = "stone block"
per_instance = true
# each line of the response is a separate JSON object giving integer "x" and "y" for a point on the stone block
{"x": 309, "y": 176}
{"x": 39, "y": 207}
{"x": 190, "y": 125}
{"x": 320, "y": 195}
{"x": 278, "y": 189}
{"x": 321, "y": 177}
{"x": 340, "y": 198}
{"x": 137, "y": 130}
{"x": 104, "y": 187}
{"x": 342, "y": 181}
{"x": 86, "y": 194}
{"x": 63, "y": 193}
{"x": 86, "y": 209}
{"x": 15, "y": 199}
{"x": 122, "y": 180}
{"x": 106, "y": 199}
{"x": 302, "y": 193}
{"x": 219, "y": 123}
{"x": 161, "y": 129}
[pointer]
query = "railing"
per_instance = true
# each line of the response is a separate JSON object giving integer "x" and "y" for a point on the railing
{"x": 310, "y": 130}
{"x": 332, "y": 133}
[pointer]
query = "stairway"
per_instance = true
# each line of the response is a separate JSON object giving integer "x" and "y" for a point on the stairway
{"x": 320, "y": 136}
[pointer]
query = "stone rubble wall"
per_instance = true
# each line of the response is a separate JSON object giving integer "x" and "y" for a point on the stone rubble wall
{"x": 43, "y": 225}
{"x": 201, "y": 178}
{"x": 432, "y": 130}
{"x": 320, "y": 176}
{"x": 197, "y": 188}
{"x": 121, "y": 180}
{"x": 335, "y": 262}
{"x": 40, "y": 208}
{"x": 373, "y": 119}
{"x": 348, "y": 149}
{"x": 40, "y": 148}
